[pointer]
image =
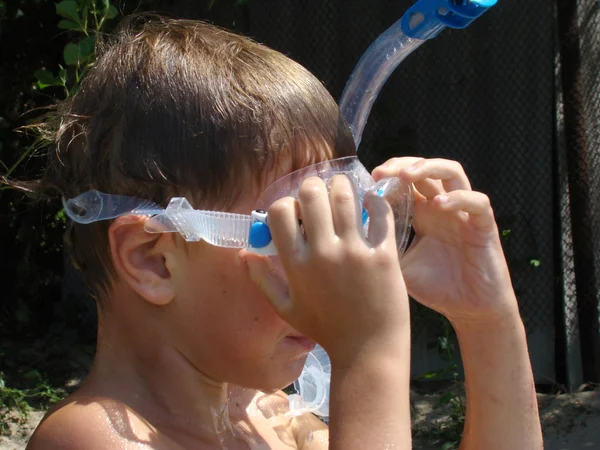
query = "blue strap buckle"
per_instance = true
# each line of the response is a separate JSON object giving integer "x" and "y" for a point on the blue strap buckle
{"x": 427, "y": 18}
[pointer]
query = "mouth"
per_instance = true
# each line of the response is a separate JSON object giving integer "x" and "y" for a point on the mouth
{"x": 303, "y": 343}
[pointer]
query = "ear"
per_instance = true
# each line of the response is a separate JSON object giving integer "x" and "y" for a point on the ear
{"x": 143, "y": 260}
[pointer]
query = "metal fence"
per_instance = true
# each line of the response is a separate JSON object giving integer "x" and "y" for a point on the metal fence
{"x": 516, "y": 99}
{"x": 483, "y": 96}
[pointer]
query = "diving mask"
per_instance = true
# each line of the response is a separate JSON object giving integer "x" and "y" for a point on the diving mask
{"x": 232, "y": 230}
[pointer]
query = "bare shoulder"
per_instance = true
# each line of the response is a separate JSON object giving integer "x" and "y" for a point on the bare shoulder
{"x": 93, "y": 423}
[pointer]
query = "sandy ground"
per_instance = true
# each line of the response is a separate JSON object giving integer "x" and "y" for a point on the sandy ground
{"x": 571, "y": 422}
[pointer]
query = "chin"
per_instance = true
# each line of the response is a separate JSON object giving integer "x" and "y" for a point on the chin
{"x": 291, "y": 374}
{"x": 276, "y": 379}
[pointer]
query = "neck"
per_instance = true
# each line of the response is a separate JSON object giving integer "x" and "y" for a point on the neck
{"x": 138, "y": 366}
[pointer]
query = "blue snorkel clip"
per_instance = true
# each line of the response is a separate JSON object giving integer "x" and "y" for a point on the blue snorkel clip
{"x": 259, "y": 236}
{"x": 427, "y": 18}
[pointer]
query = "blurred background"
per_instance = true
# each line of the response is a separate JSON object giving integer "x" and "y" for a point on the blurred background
{"x": 515, "y": 98}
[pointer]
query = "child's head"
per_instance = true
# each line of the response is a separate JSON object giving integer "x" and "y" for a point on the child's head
{"x": 182, "y": 108}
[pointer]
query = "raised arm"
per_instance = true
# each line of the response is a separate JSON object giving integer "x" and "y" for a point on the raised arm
{"x": 347, "y": 293}
{"x": 502, "y": 408}
{"x": 456, "y": 266}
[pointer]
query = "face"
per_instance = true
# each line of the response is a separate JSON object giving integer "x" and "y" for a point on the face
{"x": 225, "y": 324}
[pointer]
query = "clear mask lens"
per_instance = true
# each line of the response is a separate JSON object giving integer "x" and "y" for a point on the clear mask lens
{"x": 398, "y": 194}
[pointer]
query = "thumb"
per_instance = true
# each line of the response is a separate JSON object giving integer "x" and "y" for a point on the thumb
{"x": 268, "y": 279}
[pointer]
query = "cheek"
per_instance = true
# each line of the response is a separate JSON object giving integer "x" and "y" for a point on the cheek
{"x": 248, "y": 308}
{"x": 224, "y": 302}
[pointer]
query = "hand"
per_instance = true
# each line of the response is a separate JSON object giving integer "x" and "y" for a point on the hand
{"x": 455, "y": 265}
{"x": 343, "y": 290}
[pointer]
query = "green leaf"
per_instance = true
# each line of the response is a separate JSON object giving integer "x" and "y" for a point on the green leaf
{"x": 68, "y": 25}
{"x": 46, "y": 79}
{"x": 44, "y": 76}
{"x": 428, "y": 376}
{"x": 80, "y": 53}
{"x": 86, "y": 46}
{"x": 112, "y": 12}
{"x": 72, "y": 54}
{"x": 84, "y": 16}
{"x": 68, "y": 10}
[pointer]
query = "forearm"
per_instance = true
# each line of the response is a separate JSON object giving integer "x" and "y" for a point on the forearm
{"x": 502, "y": 411}
{"x": 369, "y": 405}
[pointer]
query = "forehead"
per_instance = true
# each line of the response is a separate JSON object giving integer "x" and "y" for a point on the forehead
{"x": 287, "y": 162}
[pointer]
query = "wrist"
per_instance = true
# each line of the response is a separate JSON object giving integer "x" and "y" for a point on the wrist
{"x": 494, "y": 322}
{"x": 391, "y": 347}
{"x": 486, "y": 340}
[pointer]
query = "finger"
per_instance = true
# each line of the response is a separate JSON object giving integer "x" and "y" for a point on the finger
{"x": 267, "y": 279}
{"x": 316, "y": 211}
{"x": 392, "y": 167}
{"x": 397, "y": 166}
{"x": 344, "y": 208}
{"x": 285, "y": 230}
{"x": 381, "y": 220}
{"x": 451, "y": 173}
{"x": 476, "y": 204}
{"x": 429, "y": 188}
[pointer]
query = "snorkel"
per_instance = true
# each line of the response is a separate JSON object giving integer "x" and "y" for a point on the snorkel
{"x": 423, "y": 21}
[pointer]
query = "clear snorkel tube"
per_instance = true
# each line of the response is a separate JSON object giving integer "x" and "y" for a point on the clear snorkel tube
{"x": 423, "y": 21}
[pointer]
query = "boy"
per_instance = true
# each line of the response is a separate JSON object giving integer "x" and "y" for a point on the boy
{"x": 195, "y": 341}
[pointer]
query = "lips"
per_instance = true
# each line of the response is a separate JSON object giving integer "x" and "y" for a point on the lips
{"x": 302, "y": 342}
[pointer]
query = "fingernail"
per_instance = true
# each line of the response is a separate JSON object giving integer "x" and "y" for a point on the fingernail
{"x": 411, "y": 168}
{"x": 443, "y": 199}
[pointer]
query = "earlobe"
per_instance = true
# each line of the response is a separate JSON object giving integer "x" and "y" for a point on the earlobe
{"x": 140, "y": 259}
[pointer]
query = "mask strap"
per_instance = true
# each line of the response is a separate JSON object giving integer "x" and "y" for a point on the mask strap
{"x": 93, "y": 206}
{"x": 217, "y": 228}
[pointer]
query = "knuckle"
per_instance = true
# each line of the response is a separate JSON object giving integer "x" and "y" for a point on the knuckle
{"x": 281, "y": 207}
{"x": 343, "y": 197}
{"x": 384, "y": 258}
{"x": 485, "y": 201}
{"x": 311, "y": 188}
{"x": 462, "y": 196}
{"x": 457, "y": 167}
{"x": 452, "y": 163}
{"x": 422, "y": 162}
{"x": 355, "y": 255}
{"x": 326, "y": 253}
